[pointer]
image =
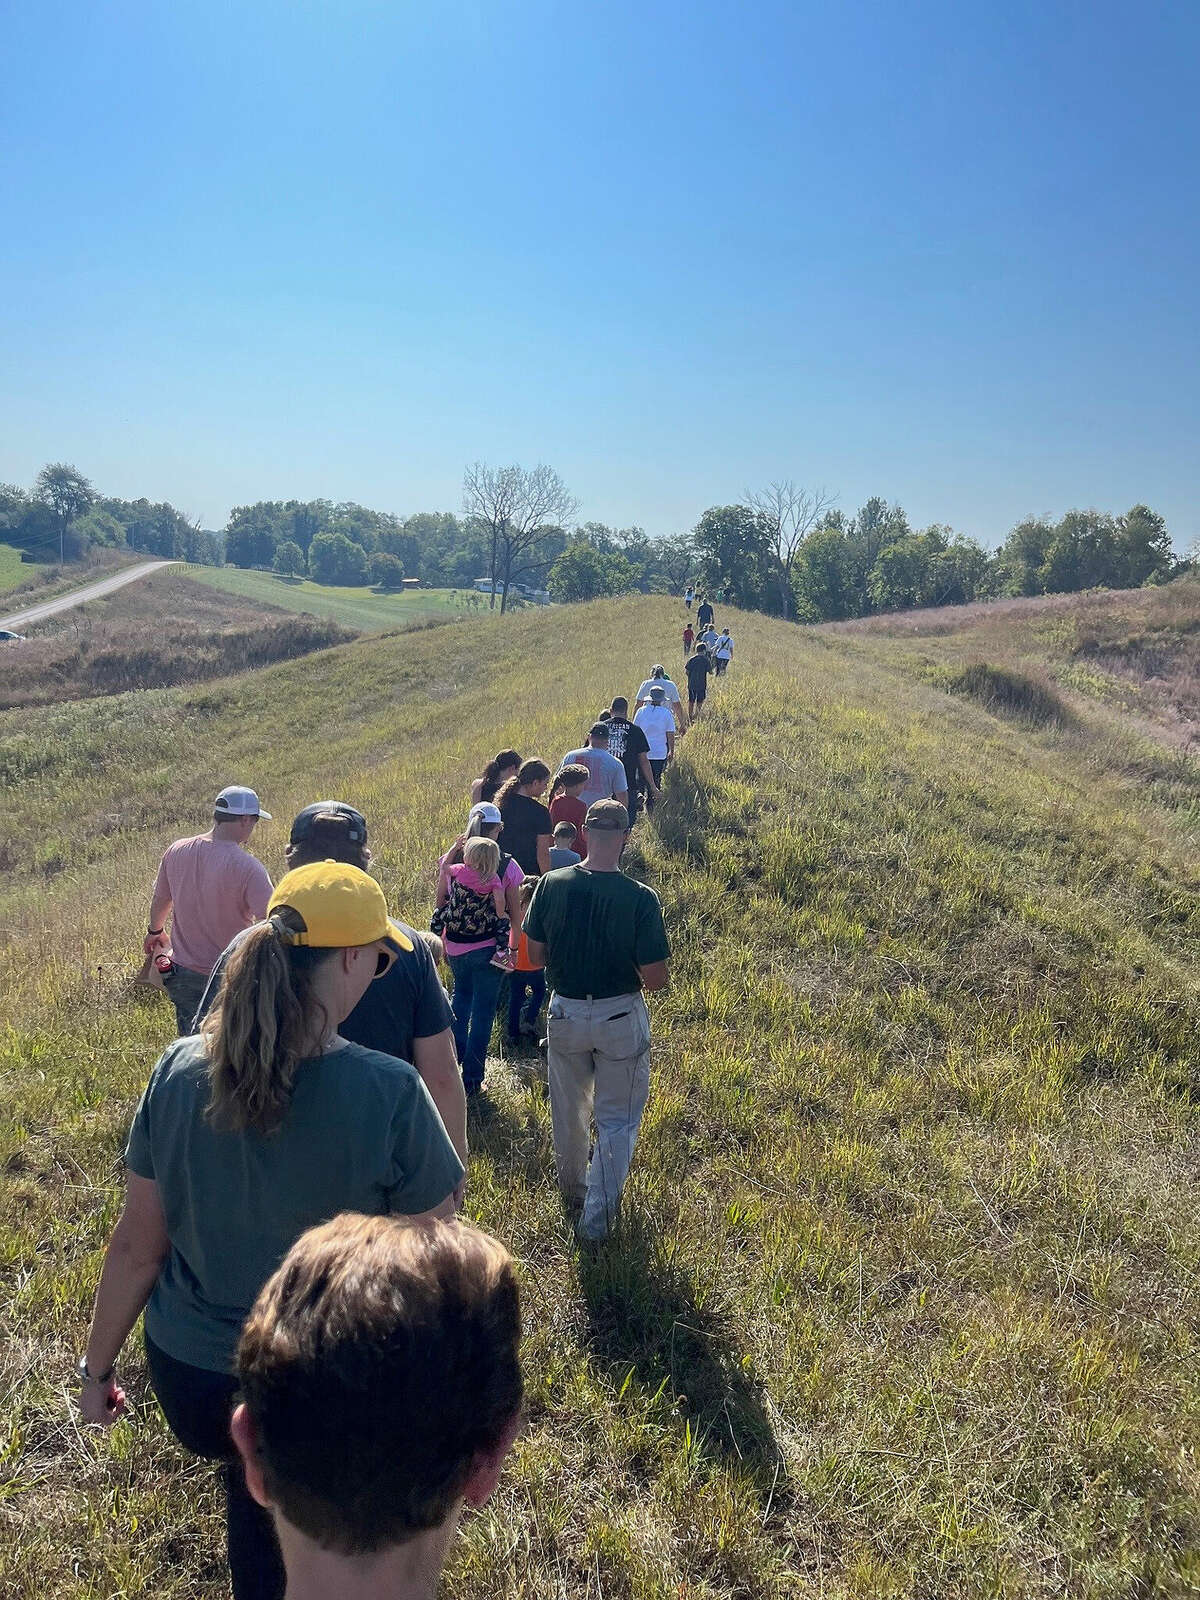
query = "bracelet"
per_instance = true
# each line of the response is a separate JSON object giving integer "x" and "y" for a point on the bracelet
{"x": 85, "y": 1377}
{"x": 155, "y": 931}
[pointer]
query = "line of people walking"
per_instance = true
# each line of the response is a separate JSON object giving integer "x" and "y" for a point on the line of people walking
{"x": 321, "y": 1069}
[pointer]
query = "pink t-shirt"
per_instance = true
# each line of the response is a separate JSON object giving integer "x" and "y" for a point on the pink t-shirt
{"x": 472, "y": 880}
{"x": 216, "y": 889}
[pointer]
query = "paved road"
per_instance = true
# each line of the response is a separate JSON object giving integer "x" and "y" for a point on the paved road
{"x": 76, "y": 597}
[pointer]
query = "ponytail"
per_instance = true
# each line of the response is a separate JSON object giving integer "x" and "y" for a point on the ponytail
{"x": 529, "y": 772}
{"x": 262, "y": 1022}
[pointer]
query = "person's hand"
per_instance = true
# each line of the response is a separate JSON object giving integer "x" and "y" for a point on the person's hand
{"x": 102, "y": 1403}
{"x": 154, "y": 942}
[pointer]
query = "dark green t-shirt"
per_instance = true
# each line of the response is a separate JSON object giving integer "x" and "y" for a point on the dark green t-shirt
{"x": 598, "y": 929}
{"x": 361, "y": 1134}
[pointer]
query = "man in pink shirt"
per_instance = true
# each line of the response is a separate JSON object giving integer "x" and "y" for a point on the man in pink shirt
{"x": 212, "y": 889}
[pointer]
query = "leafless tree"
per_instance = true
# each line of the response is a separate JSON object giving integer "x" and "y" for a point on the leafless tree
{"x": 790, "y": 513}
{"x": 516, "y": 506}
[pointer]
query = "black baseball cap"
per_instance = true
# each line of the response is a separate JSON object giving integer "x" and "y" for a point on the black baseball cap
{"x": 327, "y": 810}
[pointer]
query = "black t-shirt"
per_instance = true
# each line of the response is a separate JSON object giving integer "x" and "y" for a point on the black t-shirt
{"x": 698, "y": 669}
{"x": 705, "y": 613}
{"x": 524, "y": 820}
{"x": 627, "y": 742}
{"x": 407, "y": 1003}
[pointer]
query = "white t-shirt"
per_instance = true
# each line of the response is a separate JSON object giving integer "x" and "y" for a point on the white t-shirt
{"x": 656, "y": 722}
{"x": 724, "y": 648}
{"x": 668, "y": 688}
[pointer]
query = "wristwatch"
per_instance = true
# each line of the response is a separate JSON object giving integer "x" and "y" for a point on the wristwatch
{"x": 85, "y": 1377}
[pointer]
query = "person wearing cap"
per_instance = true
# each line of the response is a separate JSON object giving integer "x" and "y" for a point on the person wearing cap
{"x": 657, "y": 723}
{"x": 658, "y": 675}
{"x": 211, "y": 888}
{"x": 264, "y": 1124}
{"x": 602, "y": 939}
{"x": 405, "y": 1013}
{"x": 606, "y": 775}
{"x": 628, "y": 743}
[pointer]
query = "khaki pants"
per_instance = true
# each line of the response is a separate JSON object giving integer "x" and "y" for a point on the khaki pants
{"x": 599, "y": 1066}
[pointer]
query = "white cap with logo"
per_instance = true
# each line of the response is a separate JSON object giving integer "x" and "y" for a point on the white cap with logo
{"x": 238, "y": 802}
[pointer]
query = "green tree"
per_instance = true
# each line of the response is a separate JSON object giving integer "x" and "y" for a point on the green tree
{"x": 387, "y": 572}
{"x": 253, "y": 532}
{"x": 735, "y": 556}
{"x": 582, "y": 572}
{"x": 1081, "y": 555}
{"x": 66, "y": 493}
{"x": 289, "y": 560}
{"x": 1144, "y": 551}
{"x": 1023, "y": 555}
{"x": 823, "y": 575}
{"x": 333, "y": 558}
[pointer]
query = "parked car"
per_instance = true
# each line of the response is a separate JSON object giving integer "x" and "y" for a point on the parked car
{"x": 5, "y": 634}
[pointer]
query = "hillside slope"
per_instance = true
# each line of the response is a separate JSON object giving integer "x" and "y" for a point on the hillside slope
{"x": 905, "y": 1302}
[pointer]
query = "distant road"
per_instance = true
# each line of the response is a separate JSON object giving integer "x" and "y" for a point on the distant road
{"x": 76, "y": 597}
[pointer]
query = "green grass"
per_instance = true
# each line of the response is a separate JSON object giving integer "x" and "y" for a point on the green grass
{"x": 905, "y": 1301}
{"x": 365, "y": 610}
{"x": 13, "y": 570}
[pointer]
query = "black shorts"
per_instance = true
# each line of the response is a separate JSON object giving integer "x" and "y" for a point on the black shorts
{"x": 697, "y": 696}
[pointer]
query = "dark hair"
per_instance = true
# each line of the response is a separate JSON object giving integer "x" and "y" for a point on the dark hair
{"x": 328, "y": 839}
{"x": 567, "y": 829}
{"x": 529, "y": 772}
{"x": 505, "y": 761}
{"x": 569, "y": 777}
{"x": 381, "y": 1359}
{"x": 261, "y": 1020}
{"x": 598, "y": 730}
{"x": 620, "y": 705}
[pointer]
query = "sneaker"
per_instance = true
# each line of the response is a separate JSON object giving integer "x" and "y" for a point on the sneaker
{"x": 503, "y": 960}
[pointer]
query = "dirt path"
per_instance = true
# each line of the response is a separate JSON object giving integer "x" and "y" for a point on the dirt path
{"x": 90, "y": 591}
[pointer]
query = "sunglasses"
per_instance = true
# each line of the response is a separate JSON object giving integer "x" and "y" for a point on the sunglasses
{"x": 384, "y": 961}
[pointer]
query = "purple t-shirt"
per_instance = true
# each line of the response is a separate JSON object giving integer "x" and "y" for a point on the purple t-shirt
{"x": 606, "y": 775}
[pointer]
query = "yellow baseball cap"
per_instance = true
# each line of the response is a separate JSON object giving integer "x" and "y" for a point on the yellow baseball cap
{"x": 340, "y": 904}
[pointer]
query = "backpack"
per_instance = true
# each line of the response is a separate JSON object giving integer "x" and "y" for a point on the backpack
{"x": 469, "y": 917}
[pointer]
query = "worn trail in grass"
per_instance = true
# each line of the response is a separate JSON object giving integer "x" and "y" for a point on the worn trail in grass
{"x": 905, "y": 1302}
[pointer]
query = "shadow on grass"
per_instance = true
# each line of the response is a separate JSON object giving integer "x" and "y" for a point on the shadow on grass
{"x": 643, "y": 1315}
{"x": 685, "y": 817}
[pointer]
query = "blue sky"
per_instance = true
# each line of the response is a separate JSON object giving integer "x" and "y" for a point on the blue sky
{"x": 943, "y": 252}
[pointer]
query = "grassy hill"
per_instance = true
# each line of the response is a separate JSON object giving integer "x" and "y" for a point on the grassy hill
{"x": 905, "y": 1303}
{"x": 365, "y": 610}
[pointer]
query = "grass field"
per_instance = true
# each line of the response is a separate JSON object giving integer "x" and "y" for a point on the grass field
{"x": 905, "y": 1302}
{"x": 161, "y": 630}
{"x": 13, "y": 570}
{"x": 364, "y": 610}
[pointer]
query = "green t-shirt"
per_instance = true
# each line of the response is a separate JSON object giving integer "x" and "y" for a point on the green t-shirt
{"x": 361, "y": 1134}
{"x": 598, "y": 929}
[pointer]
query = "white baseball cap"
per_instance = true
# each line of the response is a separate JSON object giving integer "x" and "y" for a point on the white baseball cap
{"x": 485, "y": 812}
{"x": 238, "y": 802}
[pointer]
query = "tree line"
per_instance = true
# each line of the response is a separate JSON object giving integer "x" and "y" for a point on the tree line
{"x": 785, "y": 549}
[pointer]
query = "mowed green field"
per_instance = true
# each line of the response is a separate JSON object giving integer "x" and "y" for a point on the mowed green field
{"x": 905, "y": 1300}
{"x": 364, "y": 609}
{"x": 13, "y": 570}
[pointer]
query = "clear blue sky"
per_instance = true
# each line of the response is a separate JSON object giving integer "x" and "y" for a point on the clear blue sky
{"x": 944, "y": 252}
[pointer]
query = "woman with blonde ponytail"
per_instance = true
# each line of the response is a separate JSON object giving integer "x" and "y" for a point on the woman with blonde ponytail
{"x": 264, "y": 1124}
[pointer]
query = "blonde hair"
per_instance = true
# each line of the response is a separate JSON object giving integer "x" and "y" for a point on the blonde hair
{"x": 264, "y": 1016}
{"x": 482, "y": 856}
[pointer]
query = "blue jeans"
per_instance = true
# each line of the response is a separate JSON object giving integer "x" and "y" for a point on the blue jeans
{"x": 521, "y": 1009}
{"x": 476, "y": 995}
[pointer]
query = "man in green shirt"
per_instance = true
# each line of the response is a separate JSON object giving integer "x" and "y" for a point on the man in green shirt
{"x": 602, "y": 940}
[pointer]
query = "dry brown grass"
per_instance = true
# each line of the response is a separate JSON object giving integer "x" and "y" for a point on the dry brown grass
{"x": 151, "y": 635}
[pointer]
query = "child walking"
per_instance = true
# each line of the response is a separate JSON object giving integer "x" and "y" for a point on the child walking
{"x": 526, "y": 982}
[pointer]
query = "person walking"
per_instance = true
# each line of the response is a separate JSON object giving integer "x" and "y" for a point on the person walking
{"x": 474, "y": 925}
{"x": 698, "y": 669}
{"x": 709, "y": 637}
{"x": 405, "y": 1012}
{"x": 657, "y": 725}
{"x": 658, "y": 674}
{"x": 602, "y": 939}
{"x": 527, "y": 822}
{"x": 689, "y": 594}
{"x": 606, "y": 775}
{"x": 563, "y": 852}
{"x": 689, "y": 639}
{"x": 704, "y": 613}
{"x": 527, "y": 980}
{"x": 261, "y": 1126}
{"x": 211, "y": 888}
{"x": 723, "y": 653}
{"x": 565, "y": 804}
{"x": 628, "y": 743}
{"x": 498, "y": 771}
{"x": 381, "y": 1387}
